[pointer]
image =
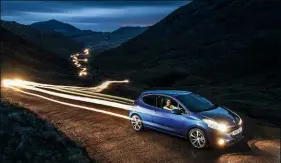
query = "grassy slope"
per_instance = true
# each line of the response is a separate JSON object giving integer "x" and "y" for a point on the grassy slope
{"x": 51, "y": 41}
{"x": 23, "y": 59}
{"x": 25, "y": 137}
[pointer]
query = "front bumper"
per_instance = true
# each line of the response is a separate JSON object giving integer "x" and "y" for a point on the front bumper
{"x": 234, "y": 141}
{"x": 228, "y": 139}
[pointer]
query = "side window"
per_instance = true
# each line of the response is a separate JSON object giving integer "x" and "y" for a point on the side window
{"x": 160, "y": 101}
{"x": 168, "y": 103}
{"x": 150, "y": 100}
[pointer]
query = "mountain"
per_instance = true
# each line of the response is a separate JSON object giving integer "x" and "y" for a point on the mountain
{"x": 98, "y": 41}
{"x": 225, "y": 50}
{"x": 22, "y": 59}
{"x": 56, "y": 26}
{"x": 222, "y": 41}
{"x": 101, "y": 41}
{"x": 49, "y": 40}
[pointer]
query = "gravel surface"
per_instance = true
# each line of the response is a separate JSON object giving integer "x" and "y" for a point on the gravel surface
{"x": 111, "y": 139}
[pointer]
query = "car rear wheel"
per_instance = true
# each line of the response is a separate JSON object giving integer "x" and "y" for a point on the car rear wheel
{"x": 136, "y": 123}
{"x": 197, "y": 138}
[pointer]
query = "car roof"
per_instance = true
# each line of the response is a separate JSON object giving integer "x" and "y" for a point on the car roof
{"x": 167, "y": 92}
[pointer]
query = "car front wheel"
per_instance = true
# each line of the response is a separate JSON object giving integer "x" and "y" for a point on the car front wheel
{"x": 136, "y": 123}
{"x": 197, "y": 138}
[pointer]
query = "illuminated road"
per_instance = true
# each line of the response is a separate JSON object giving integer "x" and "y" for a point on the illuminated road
{"x": 100, "y": 123}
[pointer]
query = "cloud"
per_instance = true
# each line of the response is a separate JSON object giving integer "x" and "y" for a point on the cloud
{"x": 95, "y": 15}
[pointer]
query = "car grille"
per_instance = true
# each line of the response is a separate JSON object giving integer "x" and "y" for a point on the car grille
{"x": 233, "y": 129}
{"x": 237, "y": 136}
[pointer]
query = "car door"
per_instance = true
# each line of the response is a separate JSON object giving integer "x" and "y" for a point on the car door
{"x": 166, "y": 120}
{"x": 147, "y": 110}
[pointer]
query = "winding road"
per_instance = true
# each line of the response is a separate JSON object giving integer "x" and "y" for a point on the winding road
{"x": 110, "y": 138}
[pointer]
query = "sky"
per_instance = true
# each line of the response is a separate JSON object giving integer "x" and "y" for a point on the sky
{"x": 92, "y": 15}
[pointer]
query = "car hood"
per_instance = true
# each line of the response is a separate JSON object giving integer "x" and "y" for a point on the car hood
{"x": 222, "y": 115}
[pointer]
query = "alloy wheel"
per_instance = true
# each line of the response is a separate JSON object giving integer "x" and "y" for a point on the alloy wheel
{"x": 197, "y": 138}
{"x": 136, "y": 123}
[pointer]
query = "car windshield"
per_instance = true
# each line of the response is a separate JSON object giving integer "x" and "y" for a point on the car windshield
{"x": 195, "y": 103}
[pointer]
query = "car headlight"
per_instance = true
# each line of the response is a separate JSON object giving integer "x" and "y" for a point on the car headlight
{"x": 215, "y": 125}
{"x": 240, "y": 122}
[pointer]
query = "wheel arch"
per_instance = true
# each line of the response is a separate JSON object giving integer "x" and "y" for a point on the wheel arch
{"x": 204, "y": 132}
{"x": 193, "y": 127}
{"x": 132, "y": 114}
{"x": 142, "y": 124}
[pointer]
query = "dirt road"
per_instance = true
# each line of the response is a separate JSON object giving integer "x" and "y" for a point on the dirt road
{"x": 111, "y": 139}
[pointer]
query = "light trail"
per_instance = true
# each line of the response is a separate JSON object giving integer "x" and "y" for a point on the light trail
{"x": 22, "y": 84}
{"x": 86, "y": 51}
{"x": 19, "y": 83}
{"x": 83, "y": 72}
{"x": 92, "y": 96}
{"x": 79, "y": 98}
{"x": 105, "y": 85}
{"x": 104, "y": 95}
{"x": 75, "y": 60}
{"x": 85, "y": 92}
{"x": 83, "y": 60}
{"x": 72, "y": 105}
{"x": 97, "y": 98}
{"x": 85, "y": 107}
{"x": 100, "y": 87}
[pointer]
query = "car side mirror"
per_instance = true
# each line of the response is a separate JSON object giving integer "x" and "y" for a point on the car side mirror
{"x": 176, "y": 111}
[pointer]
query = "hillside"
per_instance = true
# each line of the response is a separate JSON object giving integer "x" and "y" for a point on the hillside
{"x": 124, "y": 34}
{"x": 225, "y": 50}
{"x": 98, "y": 41}
{"x": 27, "y": 137}
{"x": 49, "y": 40}
{"x": 56, "y": 26}
{"x": 222, "y": 41}
{"x": 23, "y": 59}
{"x": 101, "y": 41}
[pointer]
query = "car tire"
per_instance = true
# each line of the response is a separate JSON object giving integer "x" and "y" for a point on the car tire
{"x": 136, "y": 122}
{"x": 197, "y": 138}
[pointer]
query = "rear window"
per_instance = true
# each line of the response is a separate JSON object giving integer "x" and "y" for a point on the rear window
{"x": 149, "y": 100}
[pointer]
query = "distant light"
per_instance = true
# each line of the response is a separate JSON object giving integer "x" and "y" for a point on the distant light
{"x": 86, "y": 51}
{"x": 77, "y": 62}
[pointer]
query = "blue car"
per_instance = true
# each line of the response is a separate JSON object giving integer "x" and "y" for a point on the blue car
{"x": 188, "y": 115}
